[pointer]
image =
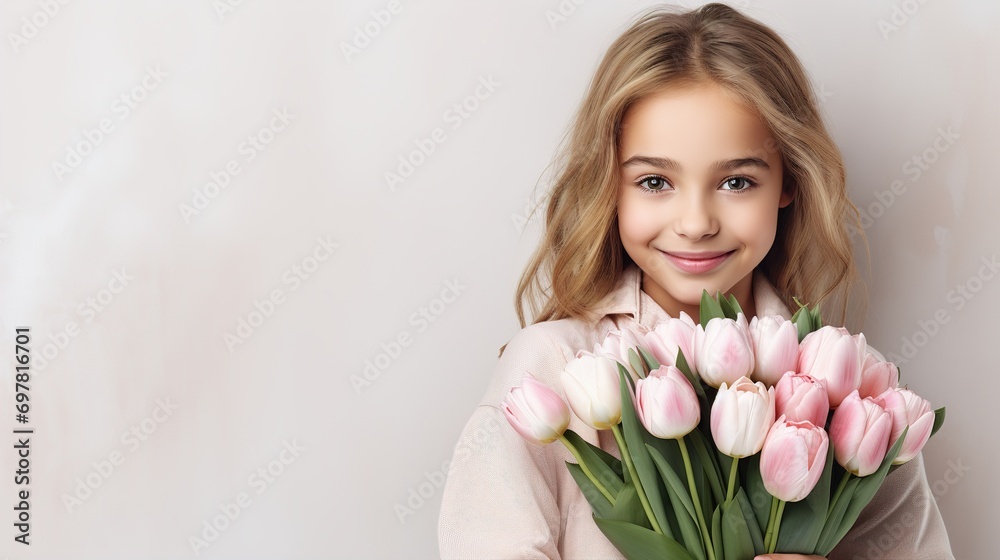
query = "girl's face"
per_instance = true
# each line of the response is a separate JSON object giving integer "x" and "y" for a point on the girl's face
{"x": 701, "y": 184}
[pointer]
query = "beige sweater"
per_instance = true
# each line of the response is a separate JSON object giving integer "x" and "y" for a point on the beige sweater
{"x": 507, "y": 498}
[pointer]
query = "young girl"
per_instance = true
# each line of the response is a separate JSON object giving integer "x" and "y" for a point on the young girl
{"x": 698, "y": 160}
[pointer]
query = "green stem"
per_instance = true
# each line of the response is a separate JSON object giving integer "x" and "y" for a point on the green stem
{"x": 635, "y": 477}
{"x": 732, "y": 479}
{"x": 770, "y": 523}
{"x": 777, "y": 527}
{"x": 586, "y": 469}
{"x": 840, "y": 490}
{"x": 697, "y": 501}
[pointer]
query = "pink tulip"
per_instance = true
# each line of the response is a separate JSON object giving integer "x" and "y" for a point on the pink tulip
{"x": 877, "y": 375}
{"x": 793, "y": 459}
{"x": 831, "y": 353}
{"x": 775, "y": 348}
{"x": 593, "y": 389}
{"x": 671, "y": 335}
{"x": 536, "y": 411}
{"x": 617, "y": 344}
{"x": 860, "y": 432}
{"x": 667, "y": 404}
{"x": 907, "y": 409}
{"x": 723, "y": 350}
{"x": 741, "y": 416}
{"x": 800, "y": 398}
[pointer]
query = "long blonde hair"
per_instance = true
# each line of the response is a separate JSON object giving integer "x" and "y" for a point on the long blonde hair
{"x": 581, "y": 254}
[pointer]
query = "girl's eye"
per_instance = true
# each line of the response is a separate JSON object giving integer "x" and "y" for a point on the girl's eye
{"x": 739, "y": 184}
{"x": 651, "y": 184}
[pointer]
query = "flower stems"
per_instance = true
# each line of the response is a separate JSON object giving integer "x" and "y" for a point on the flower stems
{"x": 770, "y": 524}
{"x": 732, "y": 479}
{"x": 586, "y": 469}
{"x": 777, "y": 526}
{"x": 840, "y": 490}
{"x": 697, "y": 501}
{"x": 623, "y": 448}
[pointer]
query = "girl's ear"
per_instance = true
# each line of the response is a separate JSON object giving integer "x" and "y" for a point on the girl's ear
{"x": 787, "y": 195}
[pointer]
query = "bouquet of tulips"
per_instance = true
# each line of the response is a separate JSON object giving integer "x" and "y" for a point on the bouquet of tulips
{"x": 735, "y": 439}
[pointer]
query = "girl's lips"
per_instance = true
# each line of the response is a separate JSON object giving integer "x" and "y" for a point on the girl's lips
{"x": 697, "y": 263}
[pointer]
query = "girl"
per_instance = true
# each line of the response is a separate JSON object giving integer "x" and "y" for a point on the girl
{"x": 698, "y": 160}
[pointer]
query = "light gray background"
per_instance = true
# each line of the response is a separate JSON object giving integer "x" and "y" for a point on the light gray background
{"x": 364, "y": 454}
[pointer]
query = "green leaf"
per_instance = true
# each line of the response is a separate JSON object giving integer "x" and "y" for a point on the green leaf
{"x": 727, "y": 307}
{"x": 678, "y": 493}
{"x": 717, "y": 535}
{"x": 610, "y": 460}
{"x": 802, "y": 522}
{"x": 682, "y": 364}
{"x": 672, "y": 481}
{"x": 817, "y": 318}
{"x": 601, "y": 463}
{"x": 628, "y": 508}
{"x": 651, "y": 361}
{"x": 636, "y": 363}
{"x": 710, "y": 465}
{"x": 756, "y": 534}
{"x": 835, "y": 518}
{"x": 759, "y": 497}
{"x": 735, "y": 304}
{"x": 938, "y": 420}
{"x": 863, "y": 493}
{"x": 633, "y": 432}
{"x": 594, "y": 496}
{"x": 709, "y": 308}
{"x": 639, "y": 543}
{"x": 737, "y": 542}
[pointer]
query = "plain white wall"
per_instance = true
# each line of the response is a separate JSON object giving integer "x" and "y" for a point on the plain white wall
{"x": 215, "y": 77}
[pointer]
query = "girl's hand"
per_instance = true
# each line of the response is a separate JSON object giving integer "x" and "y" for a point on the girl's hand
{"x": 788, "y": 557}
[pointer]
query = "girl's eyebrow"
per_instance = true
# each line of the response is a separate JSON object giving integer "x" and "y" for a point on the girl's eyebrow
{"x": 672, "y": 165}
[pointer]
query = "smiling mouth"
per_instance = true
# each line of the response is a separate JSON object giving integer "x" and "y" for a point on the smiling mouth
{"x": 697, "y": 263}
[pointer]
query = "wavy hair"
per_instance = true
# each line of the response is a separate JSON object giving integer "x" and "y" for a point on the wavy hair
{"x": 580, "y": 257}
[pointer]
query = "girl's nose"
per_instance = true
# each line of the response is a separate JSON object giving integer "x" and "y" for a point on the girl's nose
{"x": 695, "y": 218}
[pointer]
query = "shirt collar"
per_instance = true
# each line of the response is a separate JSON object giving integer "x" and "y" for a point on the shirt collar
{"x": 628, "y": 298}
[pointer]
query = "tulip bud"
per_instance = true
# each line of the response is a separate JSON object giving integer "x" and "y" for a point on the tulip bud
{"x": 723, "y": 350}
{"x": 617, "y": 344}
{"x": 793, "y": 459}
{"x": 593, "y": 389}
{"x": 667, "y": 404}
{"x": 907, "y": 409}
{"x": 877, "y": 375}
{"x": 800, "y": 398}
{"x": 536, "y": 411}
{"x": 741, "y": 416}
{"x": 775, "y": 348}
{"x": 831, "y": 353}
{"x": 860, "y": 431}
{"x": 671, "y": 335}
